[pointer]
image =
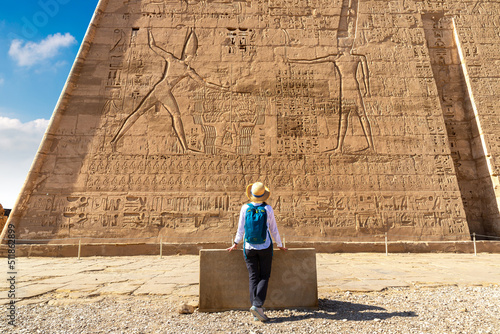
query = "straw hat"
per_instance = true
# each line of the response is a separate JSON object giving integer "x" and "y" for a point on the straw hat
{"x": 257, "y": 192}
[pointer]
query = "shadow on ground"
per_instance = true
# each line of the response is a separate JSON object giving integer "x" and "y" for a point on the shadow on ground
{"x": 339, "y": 310}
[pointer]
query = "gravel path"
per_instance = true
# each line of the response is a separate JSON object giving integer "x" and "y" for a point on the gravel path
{"x": 451, "y": 309}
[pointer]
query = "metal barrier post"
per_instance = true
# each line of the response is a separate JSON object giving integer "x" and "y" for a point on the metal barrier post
{"x": 284, "y": 241}
{"x": 161, "y": 247}
{"x": 386, "y": 248}
{"x": 79, "y": 248}
{"x": 474, "y": 239}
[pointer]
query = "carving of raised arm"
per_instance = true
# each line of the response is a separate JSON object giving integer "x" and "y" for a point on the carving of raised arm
{"x": 156, "y": 49}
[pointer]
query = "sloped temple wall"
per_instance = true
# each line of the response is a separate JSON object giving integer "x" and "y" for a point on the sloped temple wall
{"x": 362, "y": 117}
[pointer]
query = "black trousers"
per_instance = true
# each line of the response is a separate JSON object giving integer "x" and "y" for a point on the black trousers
{"x": 259, "y": 270}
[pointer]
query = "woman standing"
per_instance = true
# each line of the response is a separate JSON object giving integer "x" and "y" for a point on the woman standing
{"x": 255, "y": 227}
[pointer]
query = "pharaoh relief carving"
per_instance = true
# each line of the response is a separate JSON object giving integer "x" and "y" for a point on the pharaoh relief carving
{"x": 354, "y": 81}
{"x": 161, "y": 96}
{"x": 312, "y": 117}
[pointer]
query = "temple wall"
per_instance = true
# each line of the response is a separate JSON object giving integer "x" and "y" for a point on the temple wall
{"x": 362, "y": 117}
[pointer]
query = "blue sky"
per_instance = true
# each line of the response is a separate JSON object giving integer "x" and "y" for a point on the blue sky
{"x": 39, "y": 40}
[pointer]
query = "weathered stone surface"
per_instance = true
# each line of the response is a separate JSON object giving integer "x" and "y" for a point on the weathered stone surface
{"x": 3, "y": 217}
{"x": 362, "y": 117}
{"x": 336, "y": 272}
{"x": 224, "y": 280}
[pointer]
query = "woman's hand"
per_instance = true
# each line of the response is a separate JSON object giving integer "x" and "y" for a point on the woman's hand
{"x": 283, "y": 248}
{"x": 233, "y": 247}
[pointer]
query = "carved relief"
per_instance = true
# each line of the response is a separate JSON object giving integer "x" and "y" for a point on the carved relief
{"x": 228, "y": 119}
{"x": 161, "y": 96}
{"x": 349, "y": 66}
{"x": 460, "y": 123}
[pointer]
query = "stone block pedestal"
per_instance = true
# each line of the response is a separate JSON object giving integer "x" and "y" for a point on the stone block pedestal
{"x": 224, "y": 280}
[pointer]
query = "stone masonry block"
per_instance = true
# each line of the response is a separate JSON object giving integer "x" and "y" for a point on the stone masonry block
{"x": 224, "y": 280}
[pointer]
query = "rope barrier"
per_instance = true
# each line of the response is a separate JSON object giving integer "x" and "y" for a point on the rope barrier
{"x": 120, "y": 239}
{"x": 290, "y": 238}
{"x": 428, "y": 238}
{"x": 150, "y": 238}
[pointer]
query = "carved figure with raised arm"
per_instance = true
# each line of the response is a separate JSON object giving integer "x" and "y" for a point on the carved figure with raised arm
{"x": 175, "y": 70}
{"x": 349, "y": 66}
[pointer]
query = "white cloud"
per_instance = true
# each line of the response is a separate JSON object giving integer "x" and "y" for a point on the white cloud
{"x": 15, "y": 135}
{"x": 2, "y": 81}
{"x": 30, "y": 53}
{"x": 18, "y": 145}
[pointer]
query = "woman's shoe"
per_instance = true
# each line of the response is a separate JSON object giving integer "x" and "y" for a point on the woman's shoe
{"x": 258, "y": 313}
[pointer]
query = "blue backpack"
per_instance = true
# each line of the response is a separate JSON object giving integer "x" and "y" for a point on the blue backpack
{"x": 256, "y": 224}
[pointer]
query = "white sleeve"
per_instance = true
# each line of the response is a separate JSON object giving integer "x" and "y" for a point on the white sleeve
{"x": 273, "y": 228}
{"x": 241, "y": 225}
